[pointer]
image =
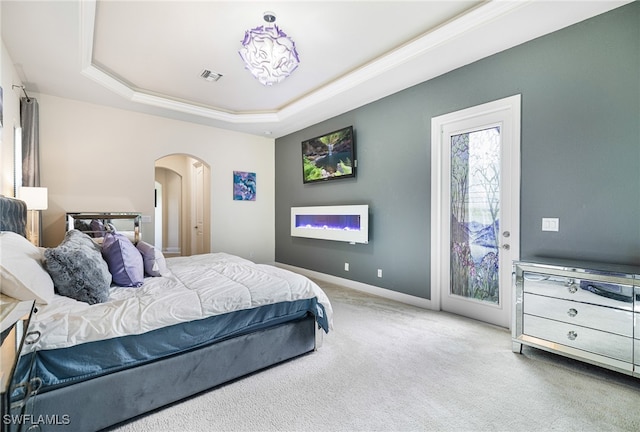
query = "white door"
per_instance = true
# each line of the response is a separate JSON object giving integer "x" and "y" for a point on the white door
{"x": 198, "y": 201}
{"x": 475, "y": 204}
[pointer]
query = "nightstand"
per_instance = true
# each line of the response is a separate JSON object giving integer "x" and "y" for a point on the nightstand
{"x": 15, "y": 317}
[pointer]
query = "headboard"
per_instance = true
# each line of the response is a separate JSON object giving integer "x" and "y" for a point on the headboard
{"x": 13, "y": 215}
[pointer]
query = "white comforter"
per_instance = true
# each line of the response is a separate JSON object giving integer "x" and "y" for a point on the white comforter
{"x": 199, "y": 286}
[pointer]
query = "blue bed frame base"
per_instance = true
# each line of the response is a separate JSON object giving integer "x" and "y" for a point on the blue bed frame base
{"x": 106, "y": 401}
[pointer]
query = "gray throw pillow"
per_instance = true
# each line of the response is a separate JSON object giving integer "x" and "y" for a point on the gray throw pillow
{"x": 78, "y": 270}
{"x": 154, "y": 262}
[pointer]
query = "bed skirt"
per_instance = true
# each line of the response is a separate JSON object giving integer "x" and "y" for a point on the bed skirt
{"x": 107, "y": 400}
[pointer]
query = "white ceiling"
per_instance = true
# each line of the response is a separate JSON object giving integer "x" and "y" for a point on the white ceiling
{"x": 147, "y": 55}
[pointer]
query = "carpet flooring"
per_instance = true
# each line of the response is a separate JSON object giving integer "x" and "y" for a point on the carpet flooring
{"x": 388, "y": 366}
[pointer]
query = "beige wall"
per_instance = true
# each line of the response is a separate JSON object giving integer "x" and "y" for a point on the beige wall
{"x": 11, "y": 118}
{"x": 96, "y": 158}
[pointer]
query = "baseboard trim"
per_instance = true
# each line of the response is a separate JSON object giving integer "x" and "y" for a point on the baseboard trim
{"x": 359, "y": 286}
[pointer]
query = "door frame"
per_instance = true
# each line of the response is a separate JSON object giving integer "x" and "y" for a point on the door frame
{"x": 509, "y": 108}
{"x": 198, "y": 207}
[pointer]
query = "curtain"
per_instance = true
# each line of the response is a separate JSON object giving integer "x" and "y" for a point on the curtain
{"x": 30, "y": 121}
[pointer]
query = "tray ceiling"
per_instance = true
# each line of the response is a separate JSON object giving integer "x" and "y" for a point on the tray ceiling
{"x": 147, "y": 56}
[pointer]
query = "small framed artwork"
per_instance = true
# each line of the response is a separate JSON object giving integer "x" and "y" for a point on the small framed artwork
{"x": 244, "y": 186}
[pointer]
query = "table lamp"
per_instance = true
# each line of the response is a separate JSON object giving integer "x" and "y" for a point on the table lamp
{"x": 36, "y": 199}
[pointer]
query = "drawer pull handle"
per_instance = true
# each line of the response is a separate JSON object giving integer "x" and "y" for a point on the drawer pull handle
{"x": 572, "y": 335}
{"x": 572, "y": 312}
{"x": 32, "y": 337}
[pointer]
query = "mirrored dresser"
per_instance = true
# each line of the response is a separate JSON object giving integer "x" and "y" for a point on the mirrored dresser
{"x": 96, "y": 224}
{"x": 586, "y": 311}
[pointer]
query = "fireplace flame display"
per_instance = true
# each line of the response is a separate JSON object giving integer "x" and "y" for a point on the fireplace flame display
{"x": 334, "y": 222}
{"x": 349, "y": 223}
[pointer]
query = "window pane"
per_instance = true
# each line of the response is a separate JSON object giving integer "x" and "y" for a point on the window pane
{"x": 475, "y": 206}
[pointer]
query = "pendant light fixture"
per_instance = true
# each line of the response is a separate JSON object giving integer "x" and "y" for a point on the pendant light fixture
{"x": 269, "y": 54}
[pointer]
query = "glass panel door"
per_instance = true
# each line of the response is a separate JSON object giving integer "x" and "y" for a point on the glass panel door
{"x": 475, "y": 203}
{"x": 475, "y": 222}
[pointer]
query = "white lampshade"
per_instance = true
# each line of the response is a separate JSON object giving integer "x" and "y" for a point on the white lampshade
{"x": 35, "y": 197}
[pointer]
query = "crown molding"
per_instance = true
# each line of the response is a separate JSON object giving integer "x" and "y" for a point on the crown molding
{"x": 453, "y": 29}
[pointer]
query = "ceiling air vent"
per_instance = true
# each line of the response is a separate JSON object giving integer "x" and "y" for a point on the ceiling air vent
{"x": 210, "y": 76}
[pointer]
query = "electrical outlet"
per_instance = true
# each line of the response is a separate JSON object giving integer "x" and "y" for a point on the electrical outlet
{"x": 379, "y": 273}
{"x": 550, "y": 224}
{"x": 346, "y": 266}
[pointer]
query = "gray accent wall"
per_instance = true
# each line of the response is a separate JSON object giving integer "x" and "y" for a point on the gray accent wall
{"x": 580, "y": 157}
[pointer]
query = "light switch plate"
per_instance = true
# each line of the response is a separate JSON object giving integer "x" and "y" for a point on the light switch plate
{"x": 550, "y": 224}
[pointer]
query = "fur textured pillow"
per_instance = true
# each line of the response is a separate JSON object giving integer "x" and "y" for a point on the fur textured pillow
{"x": 78, "y": 270}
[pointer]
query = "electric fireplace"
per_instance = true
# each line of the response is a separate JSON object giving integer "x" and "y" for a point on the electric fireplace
{"x": 349, "y": 223}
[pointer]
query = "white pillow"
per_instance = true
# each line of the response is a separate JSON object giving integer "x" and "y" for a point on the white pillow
{"x": 21, "y": 273}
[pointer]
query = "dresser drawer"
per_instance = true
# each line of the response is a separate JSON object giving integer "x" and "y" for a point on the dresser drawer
{"x": 586, "y": 339}
{"x": 586, "y": 315}
{"x": 582, "y": 290}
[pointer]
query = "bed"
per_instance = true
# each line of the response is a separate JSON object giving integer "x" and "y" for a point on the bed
{"x": 202, "y": 321}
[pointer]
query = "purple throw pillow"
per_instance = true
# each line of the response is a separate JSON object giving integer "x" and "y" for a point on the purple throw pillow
{"x": 124, "y": 260}
{"x": 97, "y": 228}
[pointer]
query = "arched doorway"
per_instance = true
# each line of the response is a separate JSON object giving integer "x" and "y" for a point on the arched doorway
{"x": 182, "y": 205}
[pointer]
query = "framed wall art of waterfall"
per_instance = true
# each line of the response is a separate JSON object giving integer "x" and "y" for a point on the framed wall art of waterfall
{"x": 330, "y": 156}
